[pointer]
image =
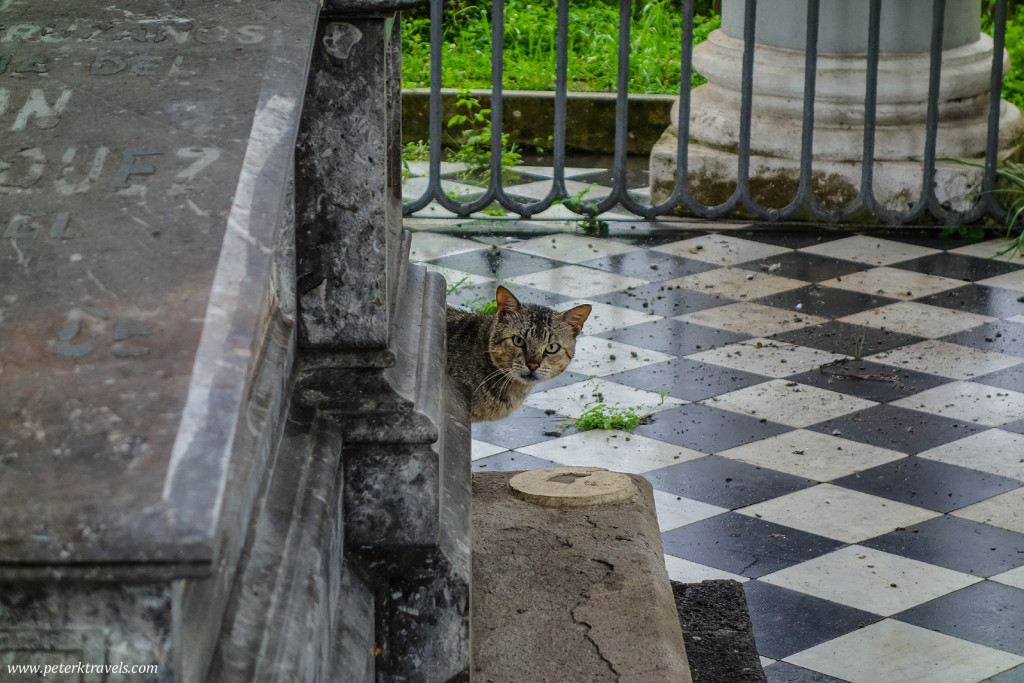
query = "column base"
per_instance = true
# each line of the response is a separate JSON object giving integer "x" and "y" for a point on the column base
{"x": 835, "y": 184}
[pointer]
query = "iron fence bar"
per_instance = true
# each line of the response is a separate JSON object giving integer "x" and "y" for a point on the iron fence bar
{"x": 865, "y": 197}
{"x": 621, "y": 110}
{"x": 434, "y": 164}
{"x": 988, "y": 202}
{"x": 928, "y": 197}
{"x": 804, "y": 199}
{"x": 561, "y": 88}
{"x": 681, "y": 191}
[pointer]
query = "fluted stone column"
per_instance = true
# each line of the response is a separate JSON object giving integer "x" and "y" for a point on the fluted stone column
{"x": 777, "y": 104}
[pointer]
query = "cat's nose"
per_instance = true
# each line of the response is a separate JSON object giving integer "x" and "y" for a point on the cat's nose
{"x": 533, "y": 366}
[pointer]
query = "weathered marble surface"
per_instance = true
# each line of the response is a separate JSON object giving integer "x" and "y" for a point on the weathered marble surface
{"x": 144, "y": 157}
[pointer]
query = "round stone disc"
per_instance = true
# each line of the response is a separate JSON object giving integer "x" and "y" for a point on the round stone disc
{"x": 572, "y": 486}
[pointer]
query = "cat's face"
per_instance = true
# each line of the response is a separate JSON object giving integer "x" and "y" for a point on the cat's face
{"x": 533, "y": 343}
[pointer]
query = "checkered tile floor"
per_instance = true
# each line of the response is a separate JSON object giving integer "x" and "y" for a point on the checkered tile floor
{"x": 843, "y": 432}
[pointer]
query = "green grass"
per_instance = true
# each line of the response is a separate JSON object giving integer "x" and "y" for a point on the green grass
{"x": 1013, "y": 82}
{"x": 530, "y": 46}
{"x": 593, "y": 45}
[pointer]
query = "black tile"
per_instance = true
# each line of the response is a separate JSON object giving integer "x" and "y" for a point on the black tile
{"x": 783, "y": 672}
{"x": 929, "y": 484}
{"x": 645, "y": 264}
{"x": 724, "y": 482}
{"x": 826, "y": 302}
{"x": 1017, "y": 427}
{"x": 900, "y": 429}
{"x": 661, "y": 300}
{"x": 531, "y": 295}
{"x": 706, "y": 429}
{"x": 957, "y": 266}
{"x": 799, "y": 265}
{"x": 846, "y": 338}
{"x": 687, "y": 379}
{"x": 561, "y": 380}
{"x": 1010, "y": 378}
{"x": 524, "y": 427}
{"x": 981, "y": 299}
{"x": 675, "y": 337}
{"x": 660, "y": 233}
{"x": 1002, "y": 336}
{"x": 745, "y": 545}
{"x": 933, "y": 238}
{"x": 511, "y": 461}
{"x": 958, "y": 544}
{"x": 794, "y": 237}
{"x": 868, "y": 380}
{"x": 986, "y": 613}
{"x": 494, "y": 262}
{"x": 787, "y": 621}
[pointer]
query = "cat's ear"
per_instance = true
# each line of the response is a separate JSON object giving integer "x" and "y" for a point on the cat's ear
{"x": 506, "y": 301}
{"x": 576, "y": 317}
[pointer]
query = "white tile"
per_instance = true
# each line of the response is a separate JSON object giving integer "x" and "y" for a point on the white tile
{"x": 735, "y": 283}
{"x": 766, "y": 662}
{"x": 871, "y": 580}
{"x": 540, "y": 189}
{"x": 416, "y": 187}
{"x": 789, "y": 403}
{"x": 839, "y": 513}
{"x": 605, "y": 317}
{"x": 433, "y": 210}
{"x": 614, "y": 450}
{"x": 572, "y": 400}
{"x": 570, "y": 248}
{"x": 822, "y": 457}
{"x": 894, "y": 283}
{"x": 600, "y": 357}
{"x": 968, "y": 402}
{"x": 947, "y": 360}
{"x": 725, "y": 250}
{"x": 1017, "y": 319}
{"x": 892, "y": 651}
{"x": 570, "y": 280}
{"x": 873, "y": 250}
{"x": 422, "y": 168}
{"x": 988, "y": 249}
{"x": 482, "y": 449}
{"x": 461, "y": 280}
{"x": 1014, "y": 280}
{"x": 922, "y": 320}
{"x": 427, "y": 246}
{"x": 1014, "y": 577}
{"x": 549, "y": 171}
{"x": 994, "y": 450}
{"x": 767, "y": 357}
{"x": 675, "y": 511}
{"x": 686, "y": 571}
{"x": 750, "y": 318}
{"x": 1005, "y": 511}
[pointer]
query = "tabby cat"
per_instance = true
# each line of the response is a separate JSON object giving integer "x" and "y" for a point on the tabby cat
{"x": 501, "y": 356}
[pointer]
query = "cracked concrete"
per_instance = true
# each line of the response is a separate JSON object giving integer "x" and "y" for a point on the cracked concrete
{"x": 571, "y": 594}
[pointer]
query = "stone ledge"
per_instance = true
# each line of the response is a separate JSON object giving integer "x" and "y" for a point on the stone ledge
{"x": 571, "y": 593}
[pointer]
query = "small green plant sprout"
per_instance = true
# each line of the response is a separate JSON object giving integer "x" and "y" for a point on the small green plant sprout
{"x": 589, "y": 224}
{"x": 455, "y": 287}
{"x": 858, "y": 348}
{"x": 473, "y": 125}
{"x": 1011, "y": 195}
{"x": 604, "y": 416}
{"x": 413, "y": 151}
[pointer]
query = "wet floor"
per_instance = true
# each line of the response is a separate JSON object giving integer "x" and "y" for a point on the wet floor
{"x": 843, "y": 428}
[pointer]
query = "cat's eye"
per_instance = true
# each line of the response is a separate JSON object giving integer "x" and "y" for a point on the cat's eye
{"x": 518, "y": 341}
{"x": 552, "y": 348}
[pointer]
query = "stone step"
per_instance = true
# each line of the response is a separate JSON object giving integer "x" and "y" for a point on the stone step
{"x": 569, "y": 581}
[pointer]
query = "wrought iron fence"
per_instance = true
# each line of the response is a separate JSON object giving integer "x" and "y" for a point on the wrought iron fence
{"x": 928, "y": 207}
